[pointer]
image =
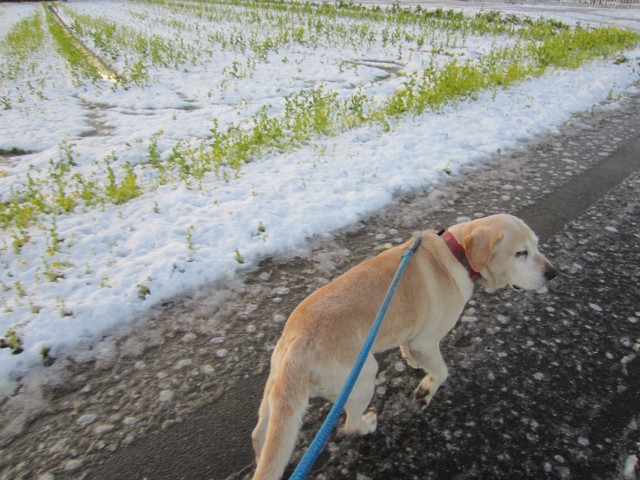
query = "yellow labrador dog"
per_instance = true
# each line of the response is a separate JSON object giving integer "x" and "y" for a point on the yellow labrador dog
{"x": 324, "y": 334}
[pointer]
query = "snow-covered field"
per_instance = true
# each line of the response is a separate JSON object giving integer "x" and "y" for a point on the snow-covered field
{"x": 68, "y": 278}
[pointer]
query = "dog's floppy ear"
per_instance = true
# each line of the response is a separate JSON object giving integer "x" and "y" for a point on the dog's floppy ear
{"x": 478, "y": 246}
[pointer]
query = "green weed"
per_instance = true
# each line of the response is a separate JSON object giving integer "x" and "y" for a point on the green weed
{"x": 11, "y": 341}
{"x": 123, "y": 190}
{"x": 190, "y": 246}
{"x": 143, "y": 291}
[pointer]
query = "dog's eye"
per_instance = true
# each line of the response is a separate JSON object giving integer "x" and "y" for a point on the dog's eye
{"x": 522, "y": 254}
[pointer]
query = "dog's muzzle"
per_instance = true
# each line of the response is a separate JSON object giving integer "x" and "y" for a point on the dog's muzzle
{"x": 549, "y": 274}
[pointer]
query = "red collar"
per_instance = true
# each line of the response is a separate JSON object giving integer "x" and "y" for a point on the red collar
{"x": 458, "y": 252}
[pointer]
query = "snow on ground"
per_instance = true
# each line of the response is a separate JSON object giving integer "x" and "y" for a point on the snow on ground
{"x": 118, "y": 261}
{"x": 566, "y": 11}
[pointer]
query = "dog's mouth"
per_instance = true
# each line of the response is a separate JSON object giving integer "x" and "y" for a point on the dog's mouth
{"x": 542, "y": 289}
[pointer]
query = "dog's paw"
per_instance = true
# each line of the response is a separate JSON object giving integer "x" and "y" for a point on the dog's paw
{"x": 421, "y": 397}
{"x": 369, "y": 423}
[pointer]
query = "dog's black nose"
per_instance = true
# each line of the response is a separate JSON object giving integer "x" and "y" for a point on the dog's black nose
{"x": 550, "y": 273}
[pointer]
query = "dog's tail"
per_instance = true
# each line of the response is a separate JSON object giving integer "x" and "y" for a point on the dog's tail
{"x": 285, "y": 400}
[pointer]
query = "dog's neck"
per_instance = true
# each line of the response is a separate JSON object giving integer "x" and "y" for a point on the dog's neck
{"x": 458, "y": 252}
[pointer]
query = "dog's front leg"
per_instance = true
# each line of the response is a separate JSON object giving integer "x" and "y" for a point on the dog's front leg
{"x": 358, "y": 422}
{"x": 431, "y": 361}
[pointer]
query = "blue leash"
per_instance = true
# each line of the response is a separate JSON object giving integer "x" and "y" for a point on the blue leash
{"x": 312, "y": 453}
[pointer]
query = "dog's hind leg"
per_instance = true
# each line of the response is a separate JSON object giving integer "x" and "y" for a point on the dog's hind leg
{"x": 431, "y": 361}
{"x": 358, "y": 422}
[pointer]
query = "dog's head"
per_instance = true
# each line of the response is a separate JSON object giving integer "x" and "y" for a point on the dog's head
{"x": 504, "y": 250}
